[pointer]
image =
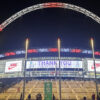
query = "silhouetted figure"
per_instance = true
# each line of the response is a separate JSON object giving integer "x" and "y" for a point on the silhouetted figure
{"x": 53, "y": 97}
{"x": 84, "y": 98}
{"x": 98, "y": 98}
{"x": 38, "y": 97}
{"x": 21, "y": 97}
{"x": 29, "y": 97}
{"x": 93, "y": 96}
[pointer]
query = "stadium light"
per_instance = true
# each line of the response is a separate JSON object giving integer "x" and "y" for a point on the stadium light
{"x": 26, "y": 49}
{"x": 92, "y": 46}
{"x": 59, "y": 46}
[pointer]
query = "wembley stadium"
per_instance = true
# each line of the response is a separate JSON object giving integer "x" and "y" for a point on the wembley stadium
{"x": 77, "y": 75}
{"x": 44, "y": 75}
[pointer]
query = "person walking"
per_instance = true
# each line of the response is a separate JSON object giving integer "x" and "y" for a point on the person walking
{"x": 84, "y": 98}
{"x": 93, "y": 96}
{"x": 21, "y": 97}
{"x": 53, "y": 97}
{"x": 29, "y": 97}
{"x": 38, "y": 97}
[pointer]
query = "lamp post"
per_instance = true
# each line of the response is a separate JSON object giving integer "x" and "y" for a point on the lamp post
{"x": 59, "y": 44}
{"x": 92, "y": 46}
{"x": 24, "y": 70}
{"x": 56, "y": 71}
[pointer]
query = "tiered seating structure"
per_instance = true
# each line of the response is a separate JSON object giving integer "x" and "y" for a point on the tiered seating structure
{"x": 70, "y": 90}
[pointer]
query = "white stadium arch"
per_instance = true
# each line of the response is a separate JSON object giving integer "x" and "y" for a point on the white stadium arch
{"x": 49, "y": 5}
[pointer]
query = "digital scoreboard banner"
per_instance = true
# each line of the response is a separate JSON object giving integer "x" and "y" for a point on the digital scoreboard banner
{"x": 13, "y": 66}
{"x": 53, "y": 64}
{"x": 91, "y": 65}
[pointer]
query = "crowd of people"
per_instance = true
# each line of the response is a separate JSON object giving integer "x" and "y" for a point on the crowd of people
{"x": 39, "y": 97}
{"x": 93, "y": 97}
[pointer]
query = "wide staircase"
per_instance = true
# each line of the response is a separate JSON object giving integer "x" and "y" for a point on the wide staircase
{"x": 70, "y": 89}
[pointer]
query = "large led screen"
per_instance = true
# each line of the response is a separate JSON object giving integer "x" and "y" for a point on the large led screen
{"x": 13, "y": 66}
{"x": 53, "y": 64}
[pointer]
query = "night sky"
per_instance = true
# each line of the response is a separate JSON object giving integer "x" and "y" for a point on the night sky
{"x": 44, "y": 26}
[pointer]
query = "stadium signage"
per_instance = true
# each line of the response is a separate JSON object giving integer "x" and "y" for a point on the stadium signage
{"x": 91, "y": 65}
{"x": 53, "y": 64}
{"x": 48, "y": 91}
{"x": 13, "y": 66}
{"x": 47, "y": 50}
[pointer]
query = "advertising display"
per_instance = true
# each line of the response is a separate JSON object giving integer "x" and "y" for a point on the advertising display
{"x": 48, "y": 91}
{"x": 13, "y": 66}
{"x": 91, "y": 65}
{"x": 53, "y": 64}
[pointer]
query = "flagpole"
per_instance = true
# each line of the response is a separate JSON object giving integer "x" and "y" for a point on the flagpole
{"x": 59, "y": 46}
{"x": 92, "y": 46}
{"x": 24, "y": 70}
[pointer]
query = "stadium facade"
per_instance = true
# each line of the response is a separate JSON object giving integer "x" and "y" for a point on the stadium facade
{"x": 48, "y": 66}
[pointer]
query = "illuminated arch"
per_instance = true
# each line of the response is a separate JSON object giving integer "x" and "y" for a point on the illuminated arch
{"x": 49, "y": 5}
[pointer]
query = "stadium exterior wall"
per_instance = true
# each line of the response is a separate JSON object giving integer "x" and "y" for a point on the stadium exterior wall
{"x": 48, "y": 70}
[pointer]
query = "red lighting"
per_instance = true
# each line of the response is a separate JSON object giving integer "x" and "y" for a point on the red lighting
{"x": 0, "y": 29}
{"x": 10, "y": 54}
{"x": 97, "y": 53}
{"x": 76, "y": 50}
{"x": 53, "y": 49}
{"x": 7, "y": 54}
{"x": 32, "y": 51}
{"x": 53, "y": 5}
